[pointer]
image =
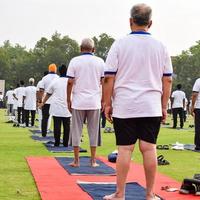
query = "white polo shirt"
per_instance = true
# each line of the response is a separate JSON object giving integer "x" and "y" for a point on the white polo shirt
{"x": 178, "y": 96}
{"x": 10, "y": 98}
{"x": 87, "y": 71}
{"x": 139, "y": 62}
{"x": 46, "y": 81}
{"x": 30, "y": 100}
{"x": 20, "y": 92}
{"x": 196, "y": 88}
{"x": 58, "y": 89}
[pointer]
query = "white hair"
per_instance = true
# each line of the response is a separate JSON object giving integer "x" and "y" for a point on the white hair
{"x": 87, "y": 43}
{"x": 31, "y": 80}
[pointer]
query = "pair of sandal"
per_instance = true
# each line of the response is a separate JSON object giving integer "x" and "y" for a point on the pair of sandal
{"x": 162, "y": 161}
{"x": 162, "y": 147}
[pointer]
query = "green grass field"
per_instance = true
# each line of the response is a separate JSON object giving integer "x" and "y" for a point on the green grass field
{"x": 16, "y": 181}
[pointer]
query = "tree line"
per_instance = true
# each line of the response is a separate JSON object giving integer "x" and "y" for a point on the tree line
{"x": 18, "y": 63}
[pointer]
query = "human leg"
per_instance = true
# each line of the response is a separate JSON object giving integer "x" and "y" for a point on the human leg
{"x": 93, "y": 118}
{"x": 66, "y": 129}
{"x": 26, "y": 114}
{"x": 174, "y": 112}
{"x": 45, "y": 117}
{"x": 76, "y": 132}
{"x": 57, "y": 130}
{"x": 197, "y": 128}
{"x": 32, "y": 117}
{"x": 181, "y": 116}
{"x": 148, "y": 151}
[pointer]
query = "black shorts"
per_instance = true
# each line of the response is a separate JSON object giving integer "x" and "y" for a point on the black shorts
{"x": 128, "y": 130}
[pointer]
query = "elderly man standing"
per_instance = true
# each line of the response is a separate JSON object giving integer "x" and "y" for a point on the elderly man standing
{"x": 85, "y": 73}
{"x": 138, "y": 80}
{"x": 30, "y": 102}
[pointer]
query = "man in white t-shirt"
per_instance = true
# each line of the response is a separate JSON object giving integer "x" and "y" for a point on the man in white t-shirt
{"x": 58, "y": 108}
{"x": 1, "y": 99}
{"x": 46, "y": 81}
{"x": 195, "y": 111}
{"x": 10, "y": 101}
{"x": 137, "y": 85}
{"x": 30, "y": 102}
{"x": 178, "y": 105}
{"x": 18, "y": 95}
{"x": 85, "y": 73}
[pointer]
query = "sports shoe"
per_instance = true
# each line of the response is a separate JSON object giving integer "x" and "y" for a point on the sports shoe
{"x": 190, "y": 186}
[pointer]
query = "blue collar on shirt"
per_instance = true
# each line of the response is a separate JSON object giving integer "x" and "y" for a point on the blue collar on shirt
{"x": 87, "y": 53}
{"x": 52, "y": 73}
{"x": 140, "y": 32}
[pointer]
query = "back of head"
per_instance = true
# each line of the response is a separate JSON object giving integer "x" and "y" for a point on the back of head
{"x": 141, "y": 14}
{"x": 21, "y": 83}
{"x": 52, "y": 68}
{"x": 62, "y": 70}
{"x": 31, "y": 81}
{"x": 179, "y": 86}
{"x": 87, "y": 44}
{"x": 17, "y": 85}
{"x": 11, "y": 87}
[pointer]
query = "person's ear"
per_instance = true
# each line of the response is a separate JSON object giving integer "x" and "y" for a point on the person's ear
{"x": 150, "y": 24}
{"x": 93, "y": 50}
{"x": 131, "y": 21}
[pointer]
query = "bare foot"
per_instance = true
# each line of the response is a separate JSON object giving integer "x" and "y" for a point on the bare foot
{"x": 113, "y": 197}
{"x": 152, "y": 197}
{"x": 74, "y": 164}
{"x": 94, "y": 164}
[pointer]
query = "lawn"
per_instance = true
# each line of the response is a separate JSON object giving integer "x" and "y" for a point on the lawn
{"x": 16, "y": 181}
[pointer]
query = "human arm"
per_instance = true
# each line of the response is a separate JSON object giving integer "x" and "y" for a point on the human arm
{"x": 70, "y": 84}
{"x": 194, "y": 98}
{"x": 166, "y": 88}
{"x": 107, "y": 96}
{"x": 46, "y": 97}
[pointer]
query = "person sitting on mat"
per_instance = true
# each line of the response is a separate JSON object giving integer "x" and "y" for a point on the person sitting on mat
{"x": 137, "y": 85}
{"x": 85, "y": 73}
{"x": 58, "y": 108}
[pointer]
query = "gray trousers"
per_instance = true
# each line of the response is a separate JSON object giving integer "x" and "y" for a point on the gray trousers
{"x": 93, "y": 119}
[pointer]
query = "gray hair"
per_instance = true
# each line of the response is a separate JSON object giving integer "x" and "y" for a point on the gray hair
{"x": 141, "y": 14}
{"x": 87, "y": 44}
{"x": 31, "y": 80}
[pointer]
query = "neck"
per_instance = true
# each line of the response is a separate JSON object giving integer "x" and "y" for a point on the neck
{"x": 139, "y": 28}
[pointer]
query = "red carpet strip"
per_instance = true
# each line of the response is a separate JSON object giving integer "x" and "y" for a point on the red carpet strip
{"x": 54, "y": 183}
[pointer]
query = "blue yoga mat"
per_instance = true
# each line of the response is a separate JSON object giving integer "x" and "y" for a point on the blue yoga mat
{"x": 38, "y": 131}
{"x": 85, "y": 168}
{"x": 97, "y": 191}
{"x": 61, "y": 149}
{"x": 43, "y": 139}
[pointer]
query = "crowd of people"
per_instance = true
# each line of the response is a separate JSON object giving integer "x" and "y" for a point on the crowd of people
{"x": 132, "y": 87}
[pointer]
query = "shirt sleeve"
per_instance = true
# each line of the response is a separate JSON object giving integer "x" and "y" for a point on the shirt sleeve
{"x": 71, "y": 70}
{"x": 111, "y": 65}
{"x": 168, "y": 70}
{"x": 41, "y": 84}
{"x": 50, "y": 89}
{"x": 196, "y": 87}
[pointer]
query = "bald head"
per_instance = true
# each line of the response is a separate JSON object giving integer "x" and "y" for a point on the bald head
{"x": 141, "y": 14}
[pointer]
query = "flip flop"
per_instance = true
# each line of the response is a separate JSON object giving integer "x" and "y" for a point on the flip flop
{"x": 162, "y": 161}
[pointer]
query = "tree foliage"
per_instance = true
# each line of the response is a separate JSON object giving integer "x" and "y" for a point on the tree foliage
{"x": 18, "y": 63}
{"x": 187, "y": 68}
